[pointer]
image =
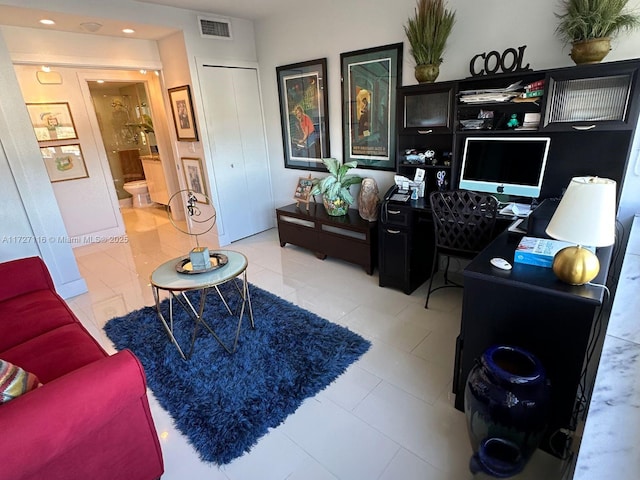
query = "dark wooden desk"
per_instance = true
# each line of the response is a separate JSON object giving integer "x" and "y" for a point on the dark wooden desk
{"x": 528, "y": 307}
{"x": 406, "y": 243}
{"x": 348, "y": 237}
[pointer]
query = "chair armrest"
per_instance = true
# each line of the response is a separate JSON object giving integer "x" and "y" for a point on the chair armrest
{"x": 51, "y": 419}
{"x": 22, "y": 276}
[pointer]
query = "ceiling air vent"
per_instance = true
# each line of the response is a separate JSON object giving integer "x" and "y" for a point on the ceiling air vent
{"x": 215, "y": 28}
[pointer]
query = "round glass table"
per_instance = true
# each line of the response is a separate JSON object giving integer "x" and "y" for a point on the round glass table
{"x": 167, "y": 278}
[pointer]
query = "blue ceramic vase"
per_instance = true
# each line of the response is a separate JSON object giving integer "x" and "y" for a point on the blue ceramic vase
{"x": 506, "y": 402}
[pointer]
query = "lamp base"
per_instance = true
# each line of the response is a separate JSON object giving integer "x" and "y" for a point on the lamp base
{"x": 576, "y": 265}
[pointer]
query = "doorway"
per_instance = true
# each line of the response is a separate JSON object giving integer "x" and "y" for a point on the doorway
{"x": 126, "y": 128}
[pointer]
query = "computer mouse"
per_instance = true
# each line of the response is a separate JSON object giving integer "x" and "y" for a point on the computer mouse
{"x": 500, "y": 263}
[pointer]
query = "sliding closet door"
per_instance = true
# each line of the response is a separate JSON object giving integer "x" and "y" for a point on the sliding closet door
{"x": 233, "y": 113}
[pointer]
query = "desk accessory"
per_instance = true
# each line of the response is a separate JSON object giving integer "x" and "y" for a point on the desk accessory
{"x": 540, "y": 251}
{"x": 585, "y": 216}
{"x": 200, "y": 259}
{"x": 500, "y": 263}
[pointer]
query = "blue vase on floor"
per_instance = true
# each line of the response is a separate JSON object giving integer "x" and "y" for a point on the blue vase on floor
{"x": 506, "y": 402}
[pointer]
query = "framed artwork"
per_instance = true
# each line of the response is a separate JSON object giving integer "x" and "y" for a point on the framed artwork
{"x": 303, "y": 96}
{"x": 182, "y": 110}
{"x": 194, "y": 178}
{"x": 303, "y": 191}
{"x": 369, "y": 81}
{"x": 52, "y": 121}
{"x": 64, "y": 162}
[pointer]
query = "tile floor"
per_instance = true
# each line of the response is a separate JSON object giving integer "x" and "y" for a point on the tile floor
{"x": 389, "y": 417}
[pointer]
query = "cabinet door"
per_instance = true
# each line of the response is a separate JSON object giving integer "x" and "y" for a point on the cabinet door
{"x": 393, "y": 260}
{"x": 600, "y": 97}
{"x": 426, "y": 109}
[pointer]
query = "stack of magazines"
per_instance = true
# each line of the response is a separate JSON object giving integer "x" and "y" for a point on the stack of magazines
{"x": 491, "y": 94}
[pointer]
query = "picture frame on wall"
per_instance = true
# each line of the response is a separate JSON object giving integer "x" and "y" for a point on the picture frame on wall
{"x": 52, "y": 121}
{"x": 194, "y": 178}
{"x": 303, "y": 94}
{"x": 64, "y": 162}
{"x": 369, "y": 81}
{"x": 183, "y": 117}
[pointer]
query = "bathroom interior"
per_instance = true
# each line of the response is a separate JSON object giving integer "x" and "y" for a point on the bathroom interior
{"x": 126, "y": 126}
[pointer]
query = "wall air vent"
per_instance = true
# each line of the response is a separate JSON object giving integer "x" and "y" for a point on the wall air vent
{"x": 213, "y": 27}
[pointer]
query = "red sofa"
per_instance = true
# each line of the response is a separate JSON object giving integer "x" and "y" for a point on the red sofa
{"x": 90, "y": 419}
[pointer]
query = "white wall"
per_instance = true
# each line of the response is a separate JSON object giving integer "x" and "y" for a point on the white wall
{"x": 30, "y": 218}
{"x": 335, "y": 27}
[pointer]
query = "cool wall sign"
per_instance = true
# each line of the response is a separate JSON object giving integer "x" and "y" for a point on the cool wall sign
{"x": 509, "y": 61}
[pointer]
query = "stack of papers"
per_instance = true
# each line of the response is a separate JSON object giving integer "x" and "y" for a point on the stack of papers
{"x": 491, "y": 94}
{"x": 517, "y": 209}
{"x": 531, "y": 121}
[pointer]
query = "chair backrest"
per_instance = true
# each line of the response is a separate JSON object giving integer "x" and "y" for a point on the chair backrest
{"x": 463, "y": 220}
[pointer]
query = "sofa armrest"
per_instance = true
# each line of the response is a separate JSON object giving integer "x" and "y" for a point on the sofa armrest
{"x": 22, "y": 276}
{"x": 48, "y": 421}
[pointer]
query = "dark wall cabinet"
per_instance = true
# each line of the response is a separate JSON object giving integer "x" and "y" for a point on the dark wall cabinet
{"x": 592, "y": 99}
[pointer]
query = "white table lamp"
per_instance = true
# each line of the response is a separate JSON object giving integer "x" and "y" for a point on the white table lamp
{"x": 585, "y": 216}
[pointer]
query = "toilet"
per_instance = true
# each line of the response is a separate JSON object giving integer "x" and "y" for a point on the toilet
{"x": 138, "y": 189}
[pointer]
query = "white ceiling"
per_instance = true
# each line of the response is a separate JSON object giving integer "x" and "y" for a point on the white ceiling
{"x": 249, "y": 9}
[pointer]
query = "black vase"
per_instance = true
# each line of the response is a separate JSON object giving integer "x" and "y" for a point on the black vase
{"x": 506, "y": 402}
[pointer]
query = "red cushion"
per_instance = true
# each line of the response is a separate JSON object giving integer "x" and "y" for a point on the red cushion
{"x": 32, "y": 314}
{"x": 56, "y": 353}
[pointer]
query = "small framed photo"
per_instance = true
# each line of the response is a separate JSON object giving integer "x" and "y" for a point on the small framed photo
{"x": 194, "y": 178}
{"x": 183, "y": 118}
{"x": 303, "y": 191}
{"x": 64, "y": 162}
{"x": 369, "y": 81}
{"x": 52, "y": 121}
{"x": 302, "y": 89}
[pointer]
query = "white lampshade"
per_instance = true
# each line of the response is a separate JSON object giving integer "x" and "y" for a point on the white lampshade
{"x": 586, "y": 214}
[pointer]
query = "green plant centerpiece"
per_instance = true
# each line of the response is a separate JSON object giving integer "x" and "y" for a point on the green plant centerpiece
{"x": 589, "y": 26}
{"x": 427, "y": 32}
{"x": 335, "y": 188}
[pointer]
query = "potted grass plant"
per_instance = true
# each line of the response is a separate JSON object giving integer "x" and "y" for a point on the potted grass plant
{"x": 427, "y": 31}
{"x": 335, "y": 188}
{"x": 589, "y": 26}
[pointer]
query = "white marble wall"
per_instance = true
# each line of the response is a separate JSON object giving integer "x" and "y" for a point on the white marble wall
{"x": 611, "y": 441}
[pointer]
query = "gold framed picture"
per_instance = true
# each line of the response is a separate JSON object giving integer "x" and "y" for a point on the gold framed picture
{"x": 64, "y": 162}
{"x": 52, "y": 121}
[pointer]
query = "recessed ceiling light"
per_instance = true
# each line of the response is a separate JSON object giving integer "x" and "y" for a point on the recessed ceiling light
{"x": 45, "y": 68}
{"x": 99, "y": 81}
{"x": 46, "y": 21}
{"x": 128, "y": 30}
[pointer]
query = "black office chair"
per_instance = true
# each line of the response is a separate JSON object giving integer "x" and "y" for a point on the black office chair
{"x": 463, "y": 224}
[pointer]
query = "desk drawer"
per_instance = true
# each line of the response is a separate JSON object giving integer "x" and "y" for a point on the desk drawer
{"x": 392, "y": 214}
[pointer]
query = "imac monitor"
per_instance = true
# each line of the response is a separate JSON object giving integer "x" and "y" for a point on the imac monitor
{"x": 504, "y": 165}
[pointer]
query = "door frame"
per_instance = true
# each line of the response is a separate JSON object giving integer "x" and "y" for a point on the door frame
{"x": 158, "y": 112}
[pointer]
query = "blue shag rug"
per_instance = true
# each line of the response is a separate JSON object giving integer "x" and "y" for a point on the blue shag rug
{"x": 223, "y": 403}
